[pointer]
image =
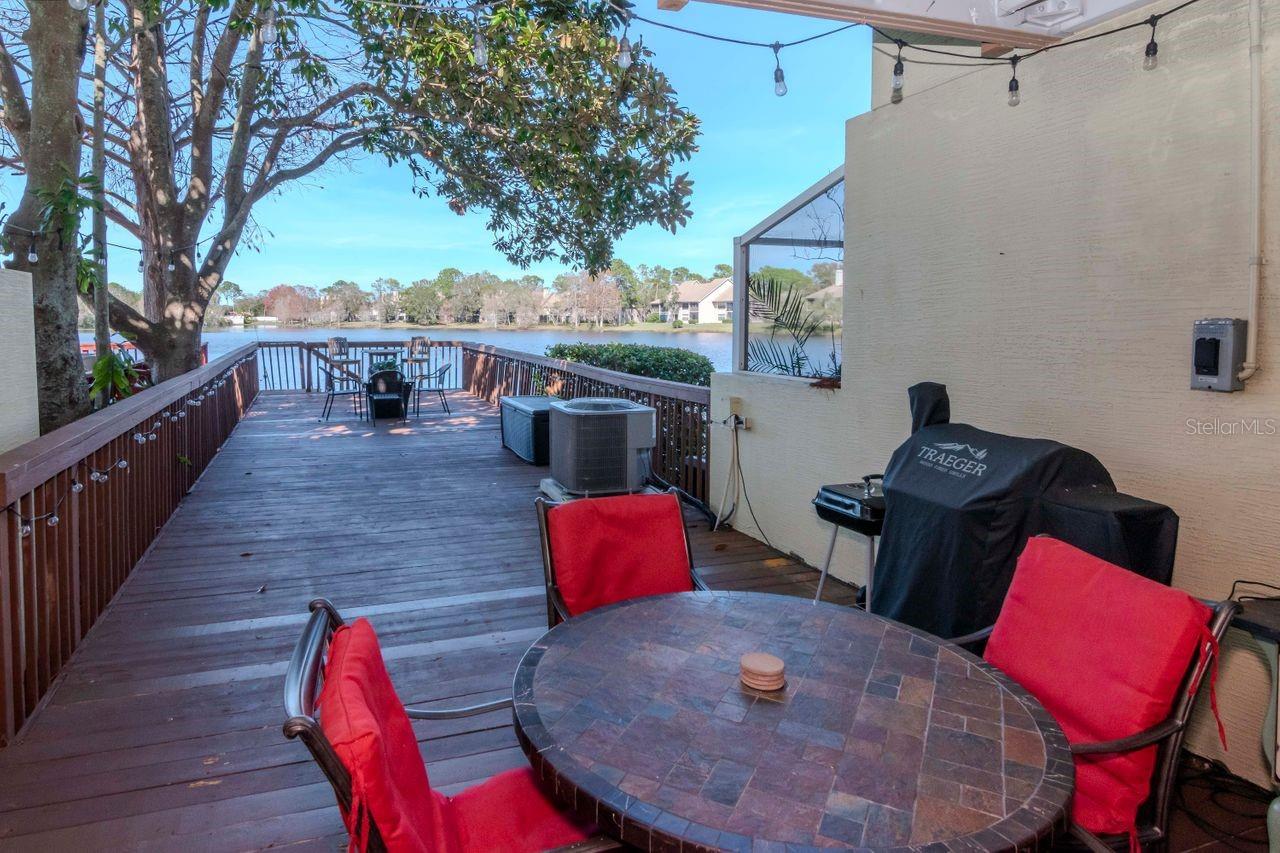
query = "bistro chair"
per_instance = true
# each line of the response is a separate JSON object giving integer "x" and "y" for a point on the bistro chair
{"x": 339, "y": 700}
{"x": 341, "y": 385}
{"x": 419, "y": 361}
{"x": 1118, "y": 660}
{"x": 339, "y": 352}
{"x": 432, "y": 383}
{"x": 388, "y": 390}
{"x": 598, "y": 551}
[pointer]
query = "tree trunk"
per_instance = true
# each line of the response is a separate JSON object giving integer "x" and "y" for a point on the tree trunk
{"x": 56, "y": 40}
{"x": 101, "y": 295}
{"x": 179, "y": 353}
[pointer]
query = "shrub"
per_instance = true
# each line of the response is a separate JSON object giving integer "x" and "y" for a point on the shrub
{"x": 673, "y": 363}
{"x": 677, "y": 324}
{"x": 653, "y": 317}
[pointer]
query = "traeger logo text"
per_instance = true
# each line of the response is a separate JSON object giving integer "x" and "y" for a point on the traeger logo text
{"x": 945, "y": 456}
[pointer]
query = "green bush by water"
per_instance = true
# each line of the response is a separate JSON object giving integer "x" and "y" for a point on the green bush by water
{"x": 673, "y": 363}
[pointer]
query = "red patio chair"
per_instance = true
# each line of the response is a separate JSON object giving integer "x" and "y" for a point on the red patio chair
{"x": 340, "y": 702}
{"x": 1118, "y": 660}
{"x": 598, "y": 551}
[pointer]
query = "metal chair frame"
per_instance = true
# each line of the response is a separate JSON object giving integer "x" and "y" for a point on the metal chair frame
{"x": 332, "y": 391}
{"x": 431, "y": 383}
{"x": 419, "y": 353}
{"x": 1153, "y": 815}
{"x": 557, "y": 611}
{"x": 302, "y": 682}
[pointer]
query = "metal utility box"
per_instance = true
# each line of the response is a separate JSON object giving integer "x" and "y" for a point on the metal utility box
{"x": 526, "y": 427}
{"x": 1217, "y": 354}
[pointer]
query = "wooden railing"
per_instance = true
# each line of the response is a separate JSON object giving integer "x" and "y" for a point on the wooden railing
{"x": 297, "y": 365}
{"x": 82, "y": 504}
{"x": 684, "y": 411}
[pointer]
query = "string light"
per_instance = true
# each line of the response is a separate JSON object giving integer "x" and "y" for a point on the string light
{"x": 103, "y": 475}
{"x": 779, "y": 79}
{"x": 480, "y": 45}
{"x": 960, "y": 59}
{"x": 899, "y": 72}
{"x": 32, "y": 257}
{"x": 1151, "y": 59}
{"x": 79, "y": 5}
{"x": 171, "y": 266}
{"x": 270, "y": 32}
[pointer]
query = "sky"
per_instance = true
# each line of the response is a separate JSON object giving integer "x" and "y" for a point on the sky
{"x": 756, "y": 152}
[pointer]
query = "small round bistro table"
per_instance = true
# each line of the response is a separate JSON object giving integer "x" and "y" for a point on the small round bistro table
{"x": 633, "y": 717}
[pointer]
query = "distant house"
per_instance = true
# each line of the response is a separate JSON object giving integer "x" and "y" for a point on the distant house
{"x": 826, "y": 294}
{"x": 697, "y": 302}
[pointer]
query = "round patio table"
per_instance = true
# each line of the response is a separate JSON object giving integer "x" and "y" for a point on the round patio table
{"x": 632, "y": 716}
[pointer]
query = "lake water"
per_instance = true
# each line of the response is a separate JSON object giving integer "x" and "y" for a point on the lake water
{"x": 717, "y": 346}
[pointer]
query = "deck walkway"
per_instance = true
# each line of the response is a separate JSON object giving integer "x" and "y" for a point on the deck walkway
{"x": 164, "y": 732}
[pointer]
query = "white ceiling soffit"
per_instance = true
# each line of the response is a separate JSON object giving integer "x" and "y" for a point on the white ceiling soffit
{"x": 1005, "y": 23}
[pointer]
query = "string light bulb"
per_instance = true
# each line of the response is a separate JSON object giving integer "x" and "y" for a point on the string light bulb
{"x": 78, "y": 5}
{"x": 32, "y": 257}
{"x": 480, "y": 46}
{"x": 624, "y": 52}
{"x": 171, "y": 266}
{"x": 1015, "y": 95}
{"x": 270, "y": 32}
{"x": 779, "y": 79}
{"x": 899, "y": 77}
{"x": 1152, "y": 57}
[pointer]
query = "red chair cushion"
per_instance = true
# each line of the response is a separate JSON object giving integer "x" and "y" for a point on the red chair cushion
{"x": 364, "y": 720}
{"x": 606, "y": 550}
{"x": 1104, "y": 650}
{"x": 509, "y": 814}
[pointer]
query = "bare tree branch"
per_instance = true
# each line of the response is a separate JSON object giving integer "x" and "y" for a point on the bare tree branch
{"x": 17, "y": 111}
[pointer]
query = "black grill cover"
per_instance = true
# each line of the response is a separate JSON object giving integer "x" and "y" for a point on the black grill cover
{"x": 960, "y": 503}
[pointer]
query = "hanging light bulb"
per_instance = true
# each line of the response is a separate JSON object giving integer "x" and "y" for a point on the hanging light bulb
{"x": 270, "y": 32}
{"x": 122, "y": 464}
{"x": 171, "y": 266}
{"x": 25, "y": 530}
{"x": 77, "y": 486}
{"x": 1152, "y": 57}
{"x": 78, "y": 5}
{"x": 1015, "y": 97}
{"x": 899, "y": 73}
{"x": 140, "y": 264}
{"x": 624, "y": 53}
{"x": 779, "y": 79}
{"x": 32, "y": 257}
{"x": 53, "y": 521}
{"x": 480, "y": 47}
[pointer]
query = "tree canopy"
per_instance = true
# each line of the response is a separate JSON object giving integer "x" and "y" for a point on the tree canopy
{"x": 518, "y": 108}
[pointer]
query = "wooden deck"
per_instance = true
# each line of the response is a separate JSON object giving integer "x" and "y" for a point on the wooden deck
{"x": 164, "y": 730}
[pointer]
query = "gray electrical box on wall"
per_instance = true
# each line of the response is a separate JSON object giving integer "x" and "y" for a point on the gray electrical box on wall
{"x": 1217, "y": 353}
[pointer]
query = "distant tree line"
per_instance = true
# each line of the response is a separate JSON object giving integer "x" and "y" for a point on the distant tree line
{"x": 623, "y": 294}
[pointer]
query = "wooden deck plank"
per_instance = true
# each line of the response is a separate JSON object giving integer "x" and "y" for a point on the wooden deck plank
{"x": 164, "y": 730}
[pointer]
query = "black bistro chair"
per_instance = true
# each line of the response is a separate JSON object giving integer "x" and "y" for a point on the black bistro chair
{"x": 388, "y": 391}
{"x": 418, "y": 362}
{"x": 432, "y": 383}
{"x": 340, "y": 384}
{"x": 339, "y": 352}
{"x": 1104, "y": 649}
{"x": 506, "y": 812}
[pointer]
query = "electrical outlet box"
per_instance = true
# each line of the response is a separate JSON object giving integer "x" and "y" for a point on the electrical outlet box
{"x": 735, "y": 405}
{"x": 1217, "y": 354}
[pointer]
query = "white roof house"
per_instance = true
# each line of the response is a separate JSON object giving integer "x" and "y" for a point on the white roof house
{"x": 698, "y": 302}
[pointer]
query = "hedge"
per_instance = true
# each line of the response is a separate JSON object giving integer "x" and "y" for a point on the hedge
{"x": 673, "y": 363}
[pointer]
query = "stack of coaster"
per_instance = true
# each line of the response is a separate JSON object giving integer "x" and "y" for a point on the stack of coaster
{"x": 761, "y": 671}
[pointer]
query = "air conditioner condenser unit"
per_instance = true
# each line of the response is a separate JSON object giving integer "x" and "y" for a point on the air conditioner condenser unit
{"x": 601, "y": 445}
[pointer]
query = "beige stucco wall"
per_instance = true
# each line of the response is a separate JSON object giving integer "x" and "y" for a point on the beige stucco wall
{"x": 19, "y": 415}
{"x": 1046, "y": 263}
